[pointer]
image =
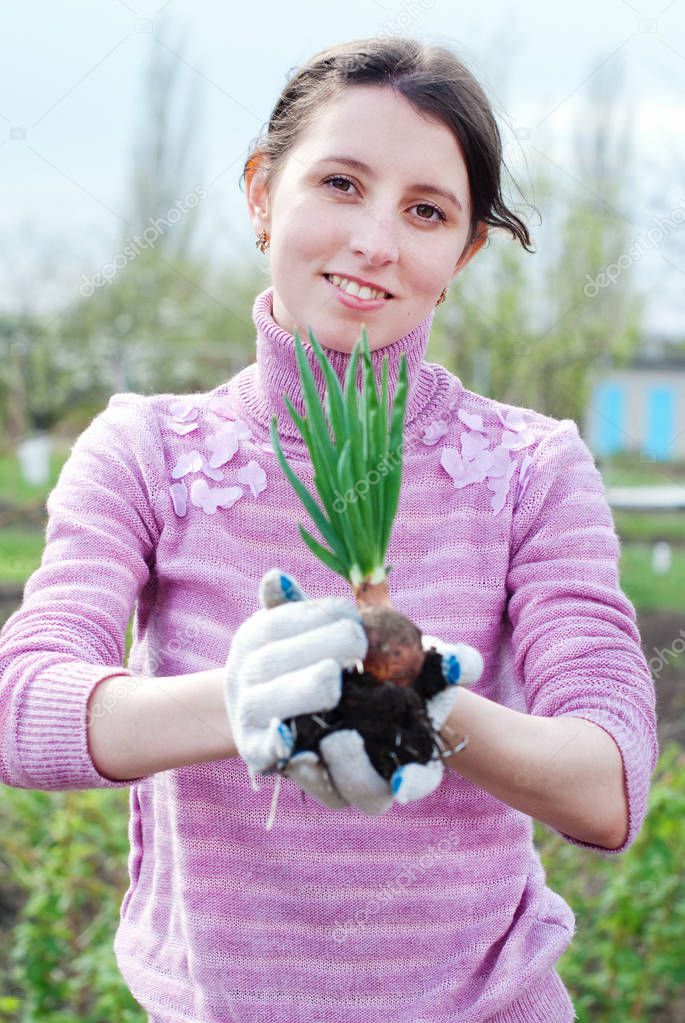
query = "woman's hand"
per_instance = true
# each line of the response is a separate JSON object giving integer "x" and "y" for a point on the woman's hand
{"x": 342, "y": 774}
{"x": 286, "y": 659}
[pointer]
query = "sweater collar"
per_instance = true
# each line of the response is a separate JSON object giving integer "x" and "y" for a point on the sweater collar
{"x": 260, "y": 387}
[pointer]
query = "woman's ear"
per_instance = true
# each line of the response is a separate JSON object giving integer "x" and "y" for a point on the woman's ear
{"x": 256, "y": 193}
{"x": 473, "y": 248}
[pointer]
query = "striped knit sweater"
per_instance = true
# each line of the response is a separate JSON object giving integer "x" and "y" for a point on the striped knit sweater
{"x": 172, "y": 507}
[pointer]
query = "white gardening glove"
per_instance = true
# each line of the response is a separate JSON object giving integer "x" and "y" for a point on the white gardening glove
{"x": 461, "y": 665}
{"x": 286, "y": 659}
{"x": 342, "y": 774}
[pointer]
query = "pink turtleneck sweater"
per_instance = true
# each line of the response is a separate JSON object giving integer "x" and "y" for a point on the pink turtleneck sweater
{"x": 435, "y": 912}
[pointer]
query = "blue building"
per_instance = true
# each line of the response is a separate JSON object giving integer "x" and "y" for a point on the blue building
{"x": 639, "y": 409}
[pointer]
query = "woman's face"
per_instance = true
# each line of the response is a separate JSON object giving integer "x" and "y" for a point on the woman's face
{"x": 384, "y": 224}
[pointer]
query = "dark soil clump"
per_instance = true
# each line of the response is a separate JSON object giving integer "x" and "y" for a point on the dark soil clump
{"x": 392, "y": 720}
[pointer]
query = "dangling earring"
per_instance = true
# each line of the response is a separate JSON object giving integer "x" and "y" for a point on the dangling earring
{"x": 443, "y": 296}
{"x": 262, "y": 242}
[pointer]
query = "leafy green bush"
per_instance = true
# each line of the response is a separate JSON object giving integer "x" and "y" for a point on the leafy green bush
{"x": 65, "y": 855}
{"x": 67, "y": 852}
{"x": 626, "y": 961}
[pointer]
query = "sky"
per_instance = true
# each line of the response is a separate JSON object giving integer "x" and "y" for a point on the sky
{"x": 72, "y": 86}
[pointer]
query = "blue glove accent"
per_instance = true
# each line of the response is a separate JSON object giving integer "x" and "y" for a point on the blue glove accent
{"x": 291, "y": 591}
{"x": 451, "y": 669}
{"x": 289, "y": 739}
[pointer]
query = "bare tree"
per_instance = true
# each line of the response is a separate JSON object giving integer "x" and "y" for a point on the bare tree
{"x": 528, "y": 329}
{"x": 161, "y": 324}
{"x": 166, "y": 160}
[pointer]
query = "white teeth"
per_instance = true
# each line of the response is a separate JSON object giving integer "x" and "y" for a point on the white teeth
{"x": 352, "y": 288}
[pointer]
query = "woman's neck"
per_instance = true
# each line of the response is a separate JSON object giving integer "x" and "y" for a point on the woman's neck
{"x": 276, "y": 373}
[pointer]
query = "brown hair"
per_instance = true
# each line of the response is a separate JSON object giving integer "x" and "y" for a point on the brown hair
{"x": 431, "y": 78}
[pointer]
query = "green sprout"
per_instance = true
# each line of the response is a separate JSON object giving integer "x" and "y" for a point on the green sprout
{"x": 348, "y": 438}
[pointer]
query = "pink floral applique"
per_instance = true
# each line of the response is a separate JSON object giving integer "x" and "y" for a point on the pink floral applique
{"x": 242, "y": 429}
{"x": 516, "y": 440}
{"x": 253, "y": 476}
{"x": 221, "y": 406}
{"x": 183, "y": 416}
{"x": 181, "y": 428}
{"x": 183, "y": 409}
{"x": 214, "y": 474}
{"x": 473, "y": 445}
{"x": 473, "y": 421}
{"x": 210, "y": 498}
{"x": 221, "y": 445}
{"x": 524, "y": 478}
{"x": 434, "y": 431}
{"x": 460, "y": 469}
{"x": 189, "y": 461}
{"x": 179, "y": 498}
{"x": 225, "y": 442}
{"x": 499, "y": 484}
{"x": 502, "y": 465}
{"x": 478, "y": 462}
{"x": 514, "y": 421}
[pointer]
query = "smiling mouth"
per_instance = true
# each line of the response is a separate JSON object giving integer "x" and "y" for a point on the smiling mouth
{"x": 364, "y": 293}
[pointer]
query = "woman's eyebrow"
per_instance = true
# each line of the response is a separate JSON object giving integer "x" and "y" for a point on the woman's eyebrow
{"x": 420, "y": 187}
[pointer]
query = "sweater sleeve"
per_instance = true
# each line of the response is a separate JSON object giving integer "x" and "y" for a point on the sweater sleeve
{"x": 70, "y": 631}
{"x": 576, "y": 645}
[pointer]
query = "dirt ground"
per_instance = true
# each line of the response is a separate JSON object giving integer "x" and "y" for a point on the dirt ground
{"x": 663, "y": 641}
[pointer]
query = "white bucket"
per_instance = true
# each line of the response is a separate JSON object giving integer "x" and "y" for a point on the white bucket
{"x": 34, "y": 458}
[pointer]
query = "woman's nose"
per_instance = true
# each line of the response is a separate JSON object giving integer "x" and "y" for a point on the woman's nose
{"x": 376, "y": 239}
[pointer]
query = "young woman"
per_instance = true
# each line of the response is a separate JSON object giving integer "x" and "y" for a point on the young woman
{"x": 380, "y": 170}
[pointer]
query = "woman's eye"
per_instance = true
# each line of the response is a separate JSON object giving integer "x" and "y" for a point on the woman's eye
{"x": 345, "y": 181}
{"x": 420, "y": 205}
{"x": 432, "y": 209}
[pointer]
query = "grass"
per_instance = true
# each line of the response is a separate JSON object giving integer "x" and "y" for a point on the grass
{"x": 20, "y": 554}
{"x": 14, "y": 488}
{"x": 646, "y": 526}
{"x": 647, "y": 590}
{"x": 632, "y": 471}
